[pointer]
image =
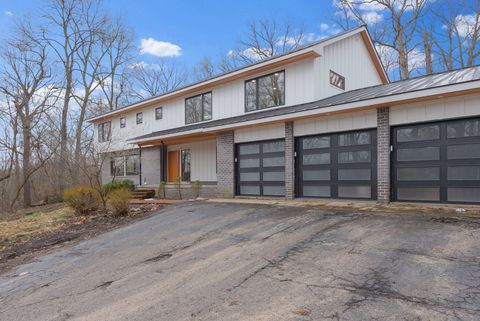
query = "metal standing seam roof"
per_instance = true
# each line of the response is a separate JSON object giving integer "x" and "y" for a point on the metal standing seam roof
{"x": 309, "y": 45}
{"x": 399, "y": 87}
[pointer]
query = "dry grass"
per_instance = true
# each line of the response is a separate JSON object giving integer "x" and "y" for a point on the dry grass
{"x": 17, "y": 226}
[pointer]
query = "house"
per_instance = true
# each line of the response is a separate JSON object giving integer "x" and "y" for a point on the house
{"x": 321, "y": 121}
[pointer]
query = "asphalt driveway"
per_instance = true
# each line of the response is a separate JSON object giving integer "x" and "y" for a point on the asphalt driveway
{"x": 207, "y": 261}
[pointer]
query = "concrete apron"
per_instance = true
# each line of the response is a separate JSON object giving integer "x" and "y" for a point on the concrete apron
{"x": 461, "y": 210}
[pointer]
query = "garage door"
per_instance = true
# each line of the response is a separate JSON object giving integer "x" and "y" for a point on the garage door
{"x": 340, "y": 165}
{"x": 260, "y": 168}
{"x": 437, "y": 162}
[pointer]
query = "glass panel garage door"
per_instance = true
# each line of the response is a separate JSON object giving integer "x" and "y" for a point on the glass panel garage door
{"x": 341, "y": 165}
{"x": 260, "y": 168}
{"x": 437, "y": 162}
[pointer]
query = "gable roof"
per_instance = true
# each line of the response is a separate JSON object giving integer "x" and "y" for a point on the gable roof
{"x": 395, "y": 93}
{"x": 300, "y": 53}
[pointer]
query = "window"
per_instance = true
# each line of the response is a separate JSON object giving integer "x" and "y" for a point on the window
{"x": 139, "y": 118}
{"x": 198, "y": 108}
{"x": 337, "y": 80}
{"x": 186, "y": 165}
{"x": 104, "y": 131}
{"x": 265, "y": 92}
{"x": 158, "y": 113}
{"x": 123, "y": 122}
{"x": 125, "y": 166}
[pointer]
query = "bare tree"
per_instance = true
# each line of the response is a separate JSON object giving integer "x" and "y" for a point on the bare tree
{"x": 27, "y": 87}
{"x": 60, "y": 31}
{"x": 157, "y": 78}
{"x": 205, "y": 69}
{"x": 265, "y": 38}
{"x": 456, "y": 40}
{"x": 398, "y": 31}
{"x": 119, "y": 54}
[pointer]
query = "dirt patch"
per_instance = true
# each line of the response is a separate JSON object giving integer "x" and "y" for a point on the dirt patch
{"x": 36, "y": 231}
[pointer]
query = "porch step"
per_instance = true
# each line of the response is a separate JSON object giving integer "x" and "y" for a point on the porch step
{"x": 143, "y": 193}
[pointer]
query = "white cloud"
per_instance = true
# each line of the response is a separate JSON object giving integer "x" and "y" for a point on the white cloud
{"x": 8, "y": 13}
{"x": 324, "y": 27}
{"x": 465, "y": 24}
{"x": 372, "y": 17}
{"x": 158, "y": 48}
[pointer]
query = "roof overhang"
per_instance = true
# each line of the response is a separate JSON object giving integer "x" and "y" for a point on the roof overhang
{"x": 385, "y": 101}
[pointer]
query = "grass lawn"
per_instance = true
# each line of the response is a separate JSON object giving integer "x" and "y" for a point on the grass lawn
{"x": 32, "y": 231}
{"x": 23, "y": 225}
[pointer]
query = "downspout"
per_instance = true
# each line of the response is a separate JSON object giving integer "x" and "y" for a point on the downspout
{"x": 140, "y": 166}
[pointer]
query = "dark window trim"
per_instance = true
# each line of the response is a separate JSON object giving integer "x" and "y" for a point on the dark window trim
{"x": 101, "y": 132}
{"x": 330, "y": 80}
{"x": 124, "y": 165}
{"x": 136, "y": 118}
{"x": 203, "y": 103}
{"x": 256, "y": 90}
{"x": 189, "y": 151}
{"x": 124, "y": 123}
{"x": 156, "y": 116}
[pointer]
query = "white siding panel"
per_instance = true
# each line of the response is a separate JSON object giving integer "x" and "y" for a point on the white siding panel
{"x": 260, "y": 133}
{"x": 204, "y": 159}
{"x": 456, "y": 107}
{"x": 349, "y": 58}
{"x": 330, "y": 124}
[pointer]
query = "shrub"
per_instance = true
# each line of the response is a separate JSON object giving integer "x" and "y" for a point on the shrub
{"x": 178, "y": 187}
{"x": 118, "y": 201}
{"x": 161, "y": 189}
{"x": 118, "y": 184}
{"x": 82, "y": 199}
{"x": 196, "y": 186}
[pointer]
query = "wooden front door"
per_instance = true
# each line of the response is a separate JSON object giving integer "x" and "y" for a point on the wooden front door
{"x": 173, "y": 165}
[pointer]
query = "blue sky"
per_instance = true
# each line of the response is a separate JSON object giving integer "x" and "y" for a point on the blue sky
{"x": 199, "y": 28}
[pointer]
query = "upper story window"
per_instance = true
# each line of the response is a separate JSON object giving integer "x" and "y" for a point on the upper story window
{"x": 139, "y": 118}
{"x": 337, "y": 80}
{"x": 265, "y": 92}
{"x": 123, "y": 122}
{"x": 104, "y": 131}
{"x": 198, "y": 108}
{"x": 158, "y": 113}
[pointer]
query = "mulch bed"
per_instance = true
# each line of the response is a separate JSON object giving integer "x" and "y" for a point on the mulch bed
{"x": 78, "y": 228}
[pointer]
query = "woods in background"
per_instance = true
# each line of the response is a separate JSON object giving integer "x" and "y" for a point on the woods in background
{"x": 74, "y": 60}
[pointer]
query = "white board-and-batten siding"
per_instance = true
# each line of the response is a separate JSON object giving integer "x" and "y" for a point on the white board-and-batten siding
{"x": 204, "y": 159}
{"x": 447, "y": 108}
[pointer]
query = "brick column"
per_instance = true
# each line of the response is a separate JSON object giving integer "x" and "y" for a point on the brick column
{"x": 289, "y": 161}
{"x": 383, "y": 155}
{"x": 225, "y": 164}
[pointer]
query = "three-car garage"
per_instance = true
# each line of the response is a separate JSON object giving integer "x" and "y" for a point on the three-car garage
{"x": 430, "y": 162}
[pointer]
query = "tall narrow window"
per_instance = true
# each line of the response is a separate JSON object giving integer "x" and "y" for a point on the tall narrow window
{"x": 265, "y": 92}
{"x": 198, "y": 108}
{"x": 186, "y": 165}
{"x": 139, "y": 118}
{"x": 104, "y": 131}
{"x": 123, "y": 122}
{"x": 158, "y": 113}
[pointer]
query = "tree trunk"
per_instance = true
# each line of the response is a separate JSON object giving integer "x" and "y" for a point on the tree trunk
{"x": 427, "y": 47}
{"x": 27, "y": 188}
{"x": 78, "y": 136}
{"x": 64, "y": 137}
